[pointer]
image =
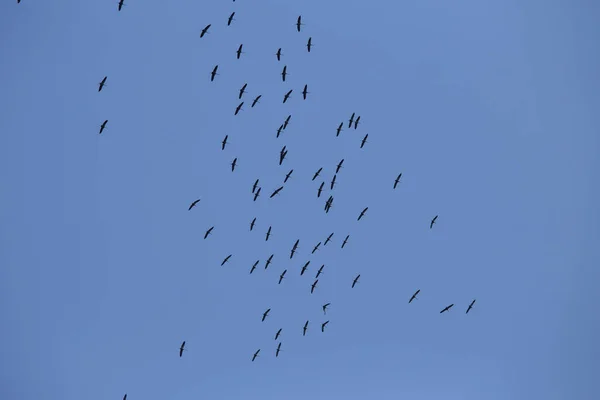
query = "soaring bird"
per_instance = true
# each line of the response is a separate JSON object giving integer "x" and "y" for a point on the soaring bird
{"x": 351, "y": 120}
{"x": 278, "y": 333}
{"x": 432, "y": 222}
{"x": 339, "y": 166}
{"x": 316, "y": 248}
{"x": 230, "y": 18}
{"x": 239, "y": 51}
{"x": 320, "y": 271}
{"x": 323, "y": 325}
{"x": 328, "y": 239}
{"x": 287, "y": 176}
{"x": 252, "y": 223}
{"x": 255, "y": 185}
{"x": 328, "y": 204}
{"x": 255, "y": 355}
{"x": 355, "y": 281}
{"x": 265, "y": 314}
{"x": 304, "y": 268}
{"x": 279, "y": 130}
{"x": 224, "y": 142}
{"x": 278, "y": 350}
{"x": 305, "y": 91}
{"x": 125, "y": 397}
{"x": 295, "y": 247}
{"x": 276, "y": 192}
{"x": 225, "y": 260}
{"x": 287, "y": 95}
{"x": 345, "y": 241}
{"x": 102, "y": 83}
{"x": 282, "y": 155}
{"x": 103, "y": 126}
{"x": 121, "y": 4}
{"x": 205, "y": 30}
{"x": 284, "y": 72}
{"x": 268, "y": 262}
{"x": 287, "y": 121}
{"x": 194, "y": 204}
{"x": 339, "y": 129}
{"x": 208, "y": 232}
{"x": 256, "y": 100}
{"x": 397, "y": 180}
{"x": 362, "y": 214}
{"x": 281, "y": 277}
{"x": 364, "y": 141}
{"x": 470, "y": 306}
{"x": 320, "y": 189}
{"x": 257, "y": 194}
{"x": 254, "y": 266}
{"x": 332, "y": 182}
{"x": 181, "y": 348}
{"x": 299, "y": 23}
{"x": 242, "y": 90}
{"x": 304, "y": 329}
{"x": 317, "y": 173}
{"x": 233, "y": 164}
{"x": 324, "y": 307}
{"x": 356, "y": 122}
{"x": 214, "y": 73}
{"x": 309, "y": 44}
{"x": 447, "y": 308}
{"x": 279, "y": 54}
{"x": 414, "y": 296}
{"x": 313, "y": 286}
{"x": 268, "y": 235}
{"x": 238, "y": 108}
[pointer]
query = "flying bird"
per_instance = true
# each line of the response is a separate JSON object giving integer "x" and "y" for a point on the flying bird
{"x": 287, "y": 95}
{"x": 225, "y": 260}
{"x": 304, "y": 329}
{"x": 470, "y": 306}
{"x": 265, "y": 314}
{"x": 257, "y": 194}
{"x": 364, "y": 141}
{"x": 230, "y": 18}
{"x": 304, "y": 267}
{"x": 181, "y": 349}
{"x": 287, "y": 176}
{"x": 102, "y": 83}
{"x": 238, "y": 108}
{"x": 323, "y": 325}
{"x": 299, "y": 23}
{"x": 205, "y": 30}
{"x": 328, "y": 204}
{"x": 278, "y": 350}
{"x": 242, "y": 90}
{"x": 254, "y": 266}
{"x": 193, "y": 204}
{"x": 282, "y": 276}
{"x": 332, "y": 182}
{"x": 287, "y": 121}
{"x": 279, "y": 54}
{"x": 345, "y": 241}
{"x": 320, "y": 189}
{"x": 252, "y": 223}
{"x": 125, "y": 397}
{"x": 276, "y": 191}
{"x": 224, "y": 142}
{"x": 355, "y": 281}
{"x": 284, "y": 72}
{"x": 414, "y": 296}
{"x": 103, "y": 126}
{"x": 239, "y": 51}
{"x": 317, "y": 173}
{"x": 309, "y": 44}
{"x": 278, "y": 333}
{"x": 325, "y": 307}
{"x": 447, "y": 308}
{"x": 305, "y": 92}
{"x": 254, "y": 186}
{"x": 279, "y": 130}
{"x": 316, "y": 248}
{"x": 397, "y": 180}
{"x": 362, "y": 214}
{"x": 208, "y": 232}
{"x": 121, "y": 4}
{"x": 339, "y": 166}
{"x": 269, "y": 261}
{"x": 295, "y": 247}
{"x": 268, "y": 234}
{"x": 320, "y": 271}
{"x": 313, "y": 286}
{"x": 328, "y": 239}
{"x": 339, "y": 129}
{"x": 233, "y": 164}
{"x": 351, "y": 121}
{"x": 432, "y": 222}
{"x": 356, "y": 122}
{"x": 256, "y": 100}
{"x": 214, "y": 73}
{"x": 255, "y": 355}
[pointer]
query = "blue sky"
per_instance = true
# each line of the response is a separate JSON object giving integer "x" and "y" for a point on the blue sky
{"x": 489, "y": 109}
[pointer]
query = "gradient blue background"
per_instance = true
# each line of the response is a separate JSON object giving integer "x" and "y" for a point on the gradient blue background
{"x": 489, "y": 109}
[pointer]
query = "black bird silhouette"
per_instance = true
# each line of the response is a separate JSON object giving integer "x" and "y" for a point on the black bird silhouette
{"x": 278, "y": 333}
{"x": 432, "y": 222}
{"x": 309, "y": 44}
{"x": 304, "y": 268}
{"x": 328, "y": 204}
{"x": 239, "y": 51}
{"x": 208, "y": 232}
{"x": 102, "y": 83}
{"x": 328, "y": 239}
{"x": 279, "y": 54}
{"x": 282, "y": 276}
{"x": 265, "y": 314}
{"x": 255, "y": 355}
{"x": 284, "y": 72}
{"x": 339, "y": 166}
{"x": 103, "y": 126}
{"x": 320, "y": 189}
{"x": 316, "y": 248}
{"x": 254, "y": 266}
{"x": 332, "y": 182}
{"x": 242, "y": 90}
{"x": 296, "y": 243}
{"x": 254, "y": 186}
{"x": 305, "y": 92}
{"x": 470, "y": 306}
{"x": 276, "y": 192}
{"x": 304, "y": 329}
{"x": 233, "y": 164}
{"x": 181, "y": 348}
{"x": 414, "y": 296}
{"x": 121, "y": 4}
{"x": 356, "y": 122}
{"x": 287, "y": 121}
{"x": 269, "y": 261}
{"x": 282, "y": 157}
{"x": 214, "y": 73}
{"x": 230, "y": 18}
{"x": 256, "y": 100}
{"x": 125, "y": 397}
{"x": 252, "y": 223}
{"x": 345, "y": 241}
{"x": 351, "y": 121}
{"x": 257, "y": 194}
{"x": 317, "y": 173}
{"x": 320, "y": 271}
{"x": 355, "y": 281}
{"x": 193, "y": 204}
{"x": 205, "y": 30}
{"x": 278, "y": 350}
{"x": 325, "y": 307}
{"x": 287, "y": 95}
{"x": 299, "y": 23}
{"x": 447, "y": 308}
{"x": 288, "y": 175}
{"x": 364, "y": 141}
{"x": 397, "y": 180}
{"x": 238, "y": 108}
{"x": 323, "y": 325}
{"x": 279, "y": 130}
{"x": 225, "y": 260}
{"x": 339, "y": 129}
{"x": 224, "y": 142}
{"x": 313, "y": 286}
{"x": 268, "y": 234}
{"x": 362, "y": 214}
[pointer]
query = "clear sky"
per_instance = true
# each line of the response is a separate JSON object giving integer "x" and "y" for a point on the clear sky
{"x": 489, "y": 109}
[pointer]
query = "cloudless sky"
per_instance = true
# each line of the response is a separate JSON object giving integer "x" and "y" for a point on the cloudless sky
{"x": 488, "y": 108}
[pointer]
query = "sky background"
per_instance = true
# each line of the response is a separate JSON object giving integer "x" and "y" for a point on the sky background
{"x": 489, "y": 110}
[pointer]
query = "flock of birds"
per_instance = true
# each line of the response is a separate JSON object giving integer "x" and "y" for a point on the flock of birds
{"x": 353, "y": 122}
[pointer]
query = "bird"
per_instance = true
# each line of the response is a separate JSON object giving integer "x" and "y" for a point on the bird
{"x": 255, "y": 355}
{"x": 205, "y": 30}
{"x": 287, "y": 95}
{"x": 355, "y": 281}
{"x": 414, "y": 296}
{"x": 470, "y": 306}
{"x": 299, "y": 23}
{"x": 278, "y": 333}
{"x": 320, "y": 189}
{"x": 252, "y": 223}
{"x": 317, "y": 173}
{"x": 351, "y": 120}
{"x": 304, "y": 329}
{"x": 103, "y": 126}
{"x": 224, "y": 142}
{"x": 239, "y": 51}
{"x": 345, "y": 240}
{"x": 225, "y": 260}
{"x": 121, "y": 4}
{"x": 281, "y": 277}
{"x": 214, "y": 73}
{"x": 257, "y": 194}
{"x": 269, "y": 261}
{"x": 254, "y": 186}
{"x": 265, "y": 314}
{"x": 339, "y": 166}
{"x": 242, "y": 90}
{"x": 125, "y": 397}
{"x": 256, "y": 100}
{"x": 102, "y": 83}
{"x": 316, "y": 248}
{"x": 230, "y": 18}
{"x": 254, "y": 266}
{"x": 309, "y": 44}
{"x": 362, "y": 213}
{"x": 238, "y": 108}
{"x": 397, "y": 180}
{"x": 287, "y": 121}
{"x": 323, "y": 325}
{"x": 324, "y": 307}
{"x": 332, "y": 182}
{"x": 313, "y": 286}
{"x": 356, "y": 122}
{"x": 328, "y": 204}
{"x": 233, "y": 164}
{"x": 279, "y": 54}
{"x": 278, "y": 350}
{"x": 284, "y": 72}
{"x": 276, "y": 192}
{"x": 328, "y": 239}
{"x": 181, "y": 349}
{"x": 320, "y": 271}
{"x": 339, "y": 129}
{"x": 268, "y": 234}
{"x": 364, "y": 141}
{"x": 282, "y": 155}
{"x": 287, "y": 176}
{"x": 279, "y": 130}
{"x": 295, "y": 247}
{"x": 304, "y": 268}
{"x": 432, "y": 222}
{"x": 194, "y": 204}
{"x": 305, "y": 92}
{"x": 447, "y": 308}
{"x": 208, "y": 232}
